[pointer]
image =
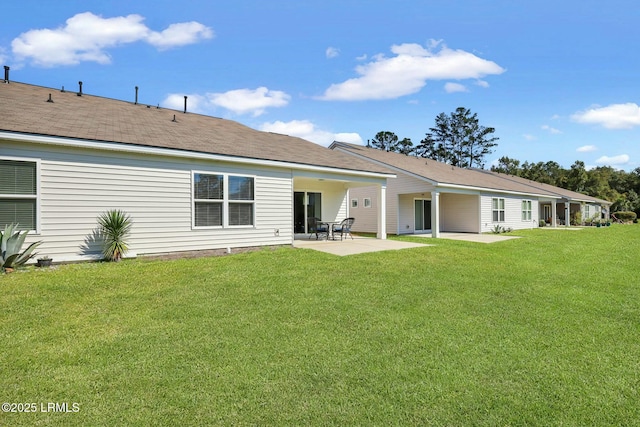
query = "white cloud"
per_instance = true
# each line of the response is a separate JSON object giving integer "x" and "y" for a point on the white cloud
{"x": 482, "y": 83}
{"x": 615, "y": 116}
{"x": 408, "y": 71}
{"x": 86, "y": 37}
{"x": 454, "y": 87}
{"x": 550, "y": 129}
{"x": 621, "y": 159}
{"x": 195, "y": 103}
{"x": 180, "y": 34}
{"x": 332, "y": 52}
{"x": 529, "y": 137}
{"x": 240, "y": 101}
{"x": 361, "y": 57}
{"x": 307, "y": 130}
{"x": 587, "y": 149}
{"x": 243, "y": 101}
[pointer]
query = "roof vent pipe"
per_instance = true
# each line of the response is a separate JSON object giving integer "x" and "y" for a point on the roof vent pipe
{"x": 136, "y": 103}
{"x": 49, "y": 100}
{"x": 80, "y": 93}
{"x": 185, "y": 103}
{"x": 6, "y": 74}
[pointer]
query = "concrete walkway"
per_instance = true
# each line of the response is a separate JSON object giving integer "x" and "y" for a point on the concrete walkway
{"x": 472, "y": 237}
{"x": 358, "y": 245}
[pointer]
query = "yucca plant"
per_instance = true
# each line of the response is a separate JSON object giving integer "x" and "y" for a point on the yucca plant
{"x": 11, "y": 241}
{"x": 114, "y": 226}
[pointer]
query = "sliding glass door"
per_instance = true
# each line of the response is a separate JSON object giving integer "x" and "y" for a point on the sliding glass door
{"x": 305, "y": 205}
{"x": 422, "y": 213}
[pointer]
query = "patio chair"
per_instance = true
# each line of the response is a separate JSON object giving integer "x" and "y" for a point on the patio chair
{"x": 316, "y": 227}
{"x": 343, "y": 228}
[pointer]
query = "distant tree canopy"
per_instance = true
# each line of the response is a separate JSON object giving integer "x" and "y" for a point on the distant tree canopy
{"x": 604, "y": 182}
{"x": 457, "y": 139}
{"x": 460, "y": 140}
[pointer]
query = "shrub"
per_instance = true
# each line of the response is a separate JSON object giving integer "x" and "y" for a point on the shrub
{"x": 11, "y": 241}
{"x": 542, "y": 223}
{"x": 114, "y": 226}
{"x": 626, "y": 216}
{"x": 576, "y": 218}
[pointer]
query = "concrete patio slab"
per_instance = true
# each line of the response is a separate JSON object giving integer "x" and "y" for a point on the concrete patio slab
{"x": 472, "y": 237}
{"x": 358, "y": 245}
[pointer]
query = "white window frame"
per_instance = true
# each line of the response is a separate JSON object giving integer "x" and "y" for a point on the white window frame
{"x": 499, "y": 210}
{"x": 354, "y": 203}
{"x": 225, "y": 201}
{"x": 527, "y": 208}
{"x": 36, "y": 197}
{"x": 366, "y": 202}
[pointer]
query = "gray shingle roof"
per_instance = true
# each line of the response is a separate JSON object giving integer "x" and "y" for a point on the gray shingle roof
{"x": 24, "y": 109}
{"x": 562, "y": 192}
{"x": 446, "y": 175}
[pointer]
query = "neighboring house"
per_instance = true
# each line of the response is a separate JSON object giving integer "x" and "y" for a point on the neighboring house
{"x": 188, "y": 181}
{"x": 432, "y": 197}
{"x": 569, "y": 204}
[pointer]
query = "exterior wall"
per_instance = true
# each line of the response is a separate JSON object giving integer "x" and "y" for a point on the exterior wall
{"x": 401, "y": 192}
{"x": 406, "y": 214}
{"x": 366, "y": 219}
{"x": 76, "y": 185}
{"x": 459, "y": 213}
{"x": 513, "y": 213}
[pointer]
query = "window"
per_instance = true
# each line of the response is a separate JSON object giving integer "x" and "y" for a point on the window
{"x": 18, "y": 193}
{"x": 526, "y": 210}
{"x": 587, "y": 212}
{"x": 222, "y": 200}
{"x": 498, "y": 209}
{"x": 241, "y": 200}
{"x": 367, "y": 202}
{"x": 354, "y": 203}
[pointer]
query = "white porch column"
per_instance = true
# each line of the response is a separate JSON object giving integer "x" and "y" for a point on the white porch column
{"x": 554, "y": 213}
{"x": 566, "y": 214}
{"x": 382, "y": 212}
{"x": 435, "y": 214}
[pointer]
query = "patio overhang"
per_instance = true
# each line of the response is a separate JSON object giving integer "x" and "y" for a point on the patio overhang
{"x": 324, "y": 194}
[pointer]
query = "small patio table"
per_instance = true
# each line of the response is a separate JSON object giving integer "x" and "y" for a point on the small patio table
{"x": 330, "y": 225}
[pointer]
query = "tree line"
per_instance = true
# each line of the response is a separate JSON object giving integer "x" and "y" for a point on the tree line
{"x": 459, "y": 139}
{"x": 604, "y": 182}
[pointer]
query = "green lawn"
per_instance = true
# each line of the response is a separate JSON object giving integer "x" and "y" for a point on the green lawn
{"x": 542, "y": 330}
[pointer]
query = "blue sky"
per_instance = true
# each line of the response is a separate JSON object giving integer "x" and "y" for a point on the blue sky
{"x": 558, "y": 80}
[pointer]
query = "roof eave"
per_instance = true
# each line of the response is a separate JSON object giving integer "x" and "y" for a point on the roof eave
{"x": 170, "y": 152}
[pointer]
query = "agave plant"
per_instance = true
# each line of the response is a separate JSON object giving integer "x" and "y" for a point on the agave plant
{"x": 11, "y": 241}
{"x": 115, "y": 226}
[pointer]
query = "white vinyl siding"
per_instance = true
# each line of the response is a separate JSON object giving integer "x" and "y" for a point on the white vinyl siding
{"x": 512, "y": 213}
{"x": 77, "y": 185}
{"x": 19, "y": 193}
